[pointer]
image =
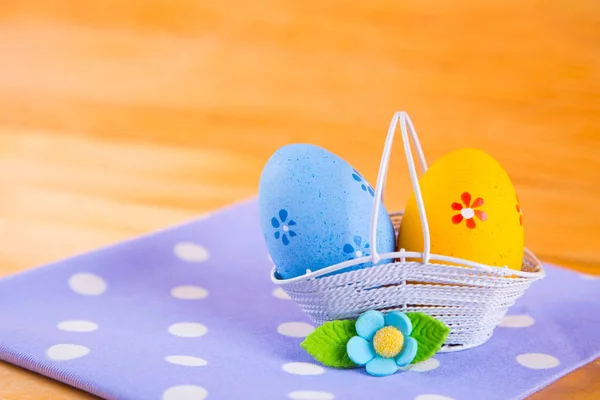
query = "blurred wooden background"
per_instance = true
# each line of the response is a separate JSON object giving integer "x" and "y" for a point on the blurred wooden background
{"x": 119, "y": 117}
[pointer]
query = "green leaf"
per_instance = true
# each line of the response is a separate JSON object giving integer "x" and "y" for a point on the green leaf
{"x": 327, "y": 343}
{"x": 429, "y": 333}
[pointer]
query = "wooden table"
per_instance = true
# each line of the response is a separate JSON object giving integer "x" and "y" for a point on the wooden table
{"x": 121, "y": 117}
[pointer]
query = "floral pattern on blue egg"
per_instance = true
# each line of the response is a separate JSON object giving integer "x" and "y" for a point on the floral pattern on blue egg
{"x": 313, "y": 207}
{"x": 357, "y": 249}
{"x": 364, "y": 185}
{"x": 282, "y": 227}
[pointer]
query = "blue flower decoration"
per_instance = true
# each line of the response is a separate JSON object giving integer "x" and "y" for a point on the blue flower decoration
{"x": 363, "y": 183}
{"x": 357, "y": 251}
{"x": 282, "y": 226}
{"x": 383, "y": 343}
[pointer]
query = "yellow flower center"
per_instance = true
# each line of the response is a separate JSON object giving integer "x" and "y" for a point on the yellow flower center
{"x": 388, "y": 342}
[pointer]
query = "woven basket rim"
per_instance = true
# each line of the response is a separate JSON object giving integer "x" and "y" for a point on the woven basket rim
{"x": 402, "y": 255}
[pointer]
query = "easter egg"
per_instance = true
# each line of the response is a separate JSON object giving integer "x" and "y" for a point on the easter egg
{"x": 472, "y": 211}
{"x": 315, "y": 211}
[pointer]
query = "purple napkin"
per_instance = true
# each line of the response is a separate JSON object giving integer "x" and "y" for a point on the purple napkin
{"x": 190, "y": 313}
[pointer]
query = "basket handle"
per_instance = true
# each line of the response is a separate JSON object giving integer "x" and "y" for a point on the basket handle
{"x": 404, "y": 119}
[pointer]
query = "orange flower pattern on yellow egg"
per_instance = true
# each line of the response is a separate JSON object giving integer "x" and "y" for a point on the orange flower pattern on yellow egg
{"x": 467, "y": 211}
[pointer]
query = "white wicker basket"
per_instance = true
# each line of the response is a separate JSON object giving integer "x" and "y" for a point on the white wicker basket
{"x": 469, "y": 297}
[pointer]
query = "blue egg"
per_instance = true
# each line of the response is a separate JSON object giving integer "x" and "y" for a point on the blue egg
{"x": 315, "y": 211}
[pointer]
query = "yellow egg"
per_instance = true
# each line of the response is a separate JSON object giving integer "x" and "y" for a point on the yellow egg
{"x": 472, "y": 211}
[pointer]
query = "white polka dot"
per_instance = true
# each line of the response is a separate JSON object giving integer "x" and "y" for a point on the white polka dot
{"x": 189, "y": 292}
{"x": 191, "y": 252}
{"x": 295, "y": 329}
{"x": 188, "y": 329}
{"x": 432, "y": 397}
{"x": 424, "y": 366}
{"x": 302, "y": 368}
{"x": 281, "y": 294}
{"x": 78, "y": 326}
{"x": 188, "y": 361}
{"x": 537, "y": 361}
{"x": 185, "y": 392}
{"x": 87, "y": 284}
{"x": 516, "y": 321}
{"x": 310, "y": 395}
{"x": 62, "y": 352}
{"x": 589, "y": 277}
